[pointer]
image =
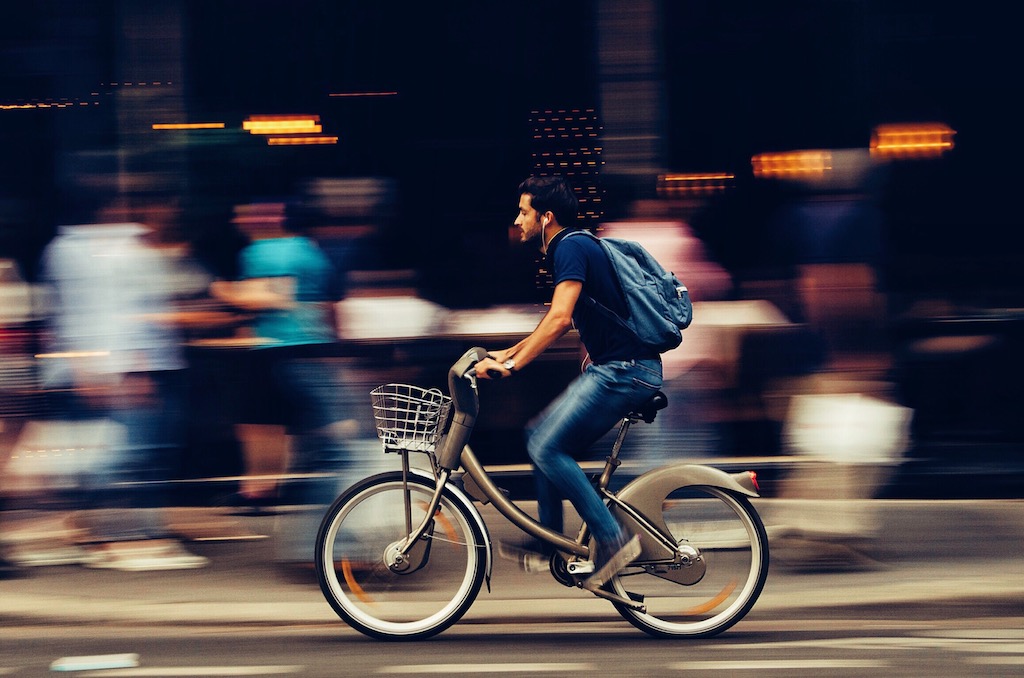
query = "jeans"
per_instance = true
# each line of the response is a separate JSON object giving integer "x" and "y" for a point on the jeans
{"x": 585, "y": 411}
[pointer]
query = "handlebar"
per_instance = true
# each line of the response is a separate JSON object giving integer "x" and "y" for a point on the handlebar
{"x": 466, "y": 406}
{"x": 462, "y": 386}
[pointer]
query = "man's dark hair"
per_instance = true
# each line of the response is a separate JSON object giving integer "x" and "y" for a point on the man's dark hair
{"x": 552, "y": 194}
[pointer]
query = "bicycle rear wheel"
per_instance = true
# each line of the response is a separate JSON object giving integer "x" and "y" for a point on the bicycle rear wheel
{"x": 446, "y": 570}
{"x": 717, "y": 591}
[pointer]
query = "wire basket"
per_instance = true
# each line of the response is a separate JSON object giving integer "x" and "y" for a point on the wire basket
{"x": 409, "y": 417}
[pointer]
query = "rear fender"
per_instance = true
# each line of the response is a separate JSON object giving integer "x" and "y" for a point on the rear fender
{"x": 646, "y": 494}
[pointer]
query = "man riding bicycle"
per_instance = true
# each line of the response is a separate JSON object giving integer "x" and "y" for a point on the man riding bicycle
{"x": 620, "y": 374}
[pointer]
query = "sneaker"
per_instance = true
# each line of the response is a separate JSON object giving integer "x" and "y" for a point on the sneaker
{"x": 608, "y": 561}
{"x": 145, "y": 556}
{"x": 532, "y": 557}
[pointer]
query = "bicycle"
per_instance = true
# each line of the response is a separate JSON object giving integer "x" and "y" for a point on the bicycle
{"x": 403, "y": 554}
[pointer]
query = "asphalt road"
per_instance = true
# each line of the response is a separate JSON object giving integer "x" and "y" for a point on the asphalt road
{"x": 932, "y": 641}
{"x": 942, "y": 594}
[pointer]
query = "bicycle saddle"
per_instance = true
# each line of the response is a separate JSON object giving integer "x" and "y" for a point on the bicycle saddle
{"x": 649, "y": 410}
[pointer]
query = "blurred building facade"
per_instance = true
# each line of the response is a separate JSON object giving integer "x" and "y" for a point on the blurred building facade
{"x": 411, "y": 126}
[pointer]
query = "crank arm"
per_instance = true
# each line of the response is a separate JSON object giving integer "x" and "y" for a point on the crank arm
{"x": 627, "y": 602}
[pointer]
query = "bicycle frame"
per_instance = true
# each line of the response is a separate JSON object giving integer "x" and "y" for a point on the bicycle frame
{"x": 453, "y": 451}
{"x": 695, "y": 524}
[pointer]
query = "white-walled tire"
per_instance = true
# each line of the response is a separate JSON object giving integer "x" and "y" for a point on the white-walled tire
{"x": 369, "y": 518}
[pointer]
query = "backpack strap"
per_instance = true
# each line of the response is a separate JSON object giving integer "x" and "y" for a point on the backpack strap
{"x": 594, "y": 303}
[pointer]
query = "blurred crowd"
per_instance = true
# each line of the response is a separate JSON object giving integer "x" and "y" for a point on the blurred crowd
{"x": 130, "y": 371}
{"x": 98, "y": 388}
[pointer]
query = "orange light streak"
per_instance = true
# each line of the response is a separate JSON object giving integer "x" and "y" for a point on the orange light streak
{"x": 301, "y": 141}
{"x": 282, "y": 124}
{"x": 911, "y": 139}
{"x": 189, "y": 125}
{"x": 791, "y": 163}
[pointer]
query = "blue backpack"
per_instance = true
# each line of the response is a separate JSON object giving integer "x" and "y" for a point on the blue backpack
{"x": 658, "y": 304}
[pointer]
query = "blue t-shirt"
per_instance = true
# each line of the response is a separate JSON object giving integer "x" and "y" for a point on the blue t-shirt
{"x": 581, "y": 258}
{"x": 300, "y": 259}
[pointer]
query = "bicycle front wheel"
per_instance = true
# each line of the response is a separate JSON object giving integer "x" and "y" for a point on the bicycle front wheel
{"x": 715, "y": 592}
{"x": 438, "y": 583}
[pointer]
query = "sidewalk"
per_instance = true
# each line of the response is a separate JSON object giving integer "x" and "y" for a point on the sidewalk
{"x": 928, "y": 552}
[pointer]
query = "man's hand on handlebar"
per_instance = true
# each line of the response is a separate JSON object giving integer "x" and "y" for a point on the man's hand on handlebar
{"x": 492, "y": 366}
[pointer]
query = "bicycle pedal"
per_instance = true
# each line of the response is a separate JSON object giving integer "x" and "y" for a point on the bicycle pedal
{"x": 579, "y": 567}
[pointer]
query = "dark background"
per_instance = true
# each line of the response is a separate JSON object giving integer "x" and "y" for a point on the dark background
{"x": 740, "y": 78}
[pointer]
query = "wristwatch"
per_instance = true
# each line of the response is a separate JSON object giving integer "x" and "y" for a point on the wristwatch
{"x": 509, "y": 364}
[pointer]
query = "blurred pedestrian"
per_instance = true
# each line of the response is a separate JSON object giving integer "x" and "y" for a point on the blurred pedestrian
{"x": 111, "y": 357}
{"x": 8, "y": 568}
{"x": 16, "y": 382}
{"x": 292, "y": 379}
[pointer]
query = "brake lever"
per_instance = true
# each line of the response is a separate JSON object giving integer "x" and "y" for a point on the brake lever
{"x": 471, "y": 375}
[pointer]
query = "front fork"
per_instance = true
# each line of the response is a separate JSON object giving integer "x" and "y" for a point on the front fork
{"x": 410, "y": 553}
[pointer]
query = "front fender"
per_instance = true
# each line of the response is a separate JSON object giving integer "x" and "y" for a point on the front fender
{"x": 647, "y": 493}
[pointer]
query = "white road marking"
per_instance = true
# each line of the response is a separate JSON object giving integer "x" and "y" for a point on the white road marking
{"x": 996, "y": 661}
{"x": 889, "y": 643}
{"x": 989, "y": 646}
{"x": 979, "y": 634}
{"x": 487, "y": 668}
{"x": 95, "y": 661}
{"x": 147, "y": 671}
{"x": 778, "y": 664}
